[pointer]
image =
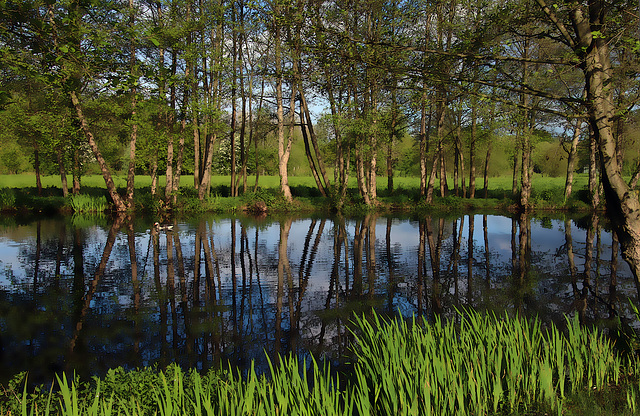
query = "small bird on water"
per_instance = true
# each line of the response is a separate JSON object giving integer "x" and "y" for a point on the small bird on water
{"x": 163, "y": 227}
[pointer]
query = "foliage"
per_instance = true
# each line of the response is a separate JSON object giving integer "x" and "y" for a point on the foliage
{"x": 7, "y": 198}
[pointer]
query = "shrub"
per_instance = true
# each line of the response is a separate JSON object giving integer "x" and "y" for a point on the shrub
{"x": 86, "y": 203}
{"x": 7, "y": 198}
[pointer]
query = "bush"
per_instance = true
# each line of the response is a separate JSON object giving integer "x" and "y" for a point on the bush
{"x": 7, "y": 198}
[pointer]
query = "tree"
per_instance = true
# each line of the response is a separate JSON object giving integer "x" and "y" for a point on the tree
{"x": 586, "y": 29}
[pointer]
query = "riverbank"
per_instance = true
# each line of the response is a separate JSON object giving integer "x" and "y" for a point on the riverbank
{"x": 481, "y": 364}
{"x": 19, "y": 195}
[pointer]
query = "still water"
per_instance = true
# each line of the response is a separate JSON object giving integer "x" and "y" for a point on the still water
{"x": 85, "y": 295}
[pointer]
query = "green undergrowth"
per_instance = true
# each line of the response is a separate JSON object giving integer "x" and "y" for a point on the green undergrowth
{"x": 17, "y": 193}
{"x": 472, "y": 365}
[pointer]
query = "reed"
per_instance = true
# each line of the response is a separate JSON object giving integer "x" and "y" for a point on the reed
{"x": 483, "y": 365}
{"x": 86, "y": 203}
{"x": 476, "y": 364}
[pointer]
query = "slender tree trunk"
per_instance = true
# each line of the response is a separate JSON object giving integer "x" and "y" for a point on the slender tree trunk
{"x": 361, "y": 176}
{"x": 444, "y": 187}
{"x": 283, "y": 148}
{"x": 472, "y": 149}
{"x": 392, "y": 136}
{"x": 307, "y": 150}
{"x": 134, "y": 100}
{"x": 423, "y": 144}
{"x": 36, "y": 166}
{"x": 234, "y": 99}
{"x": 76, "y": 171}
{"x": 243, "y": 99}
{"x": 460, "y": 160}
{"x": 178, "y": 171}
{"x": 153, "y": 172}
{"x": 516, "y": 167}
{"x": 571, "y": 161}
{"x": 373, "y": 166}
{"x": 456, "y": 169}
{"x": 432, "y": 178}
{"x": 106, "y": 173}
{"x": 168, "y": 190}
{"x": 594, "y": 193}
{"x": 486, "y": 172}
{"x": 255, "y": 141}
{"x": 213, "y": 88}
{"x": 314, "y": 141}
{"x": 525, "y": 177}
{"x": 340, "y": 171}
{"x": 63, "y": 173}
{"x": 196, "y": 149}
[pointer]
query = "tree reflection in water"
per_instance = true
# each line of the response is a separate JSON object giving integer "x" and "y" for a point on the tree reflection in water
{"x": 228, "y": 290}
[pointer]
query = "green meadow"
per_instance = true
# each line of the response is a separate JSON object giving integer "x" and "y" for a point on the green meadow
{"x": 18, "y": 192}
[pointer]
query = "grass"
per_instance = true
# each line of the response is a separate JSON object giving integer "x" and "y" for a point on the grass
{"x": 475, "y": 364}
{"x": 17, "y": 192}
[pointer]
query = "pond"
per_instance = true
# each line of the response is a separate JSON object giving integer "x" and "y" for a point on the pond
{"x": 84, "y": 295}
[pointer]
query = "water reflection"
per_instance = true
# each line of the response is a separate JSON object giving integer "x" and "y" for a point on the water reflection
{"x": 203, "y": 292}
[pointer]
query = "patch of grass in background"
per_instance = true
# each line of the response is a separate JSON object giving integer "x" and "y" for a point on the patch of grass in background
{"x": 19, "y": 192}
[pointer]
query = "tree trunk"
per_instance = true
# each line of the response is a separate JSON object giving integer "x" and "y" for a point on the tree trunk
{"x": 63, "y": 173}
{"x": 307, "y": 151}
{"x": 178, "y": 171}
{"x": 623, "y": 207}
{"x": 432, "y": 177}
{"x": 516, "y": 167}
{"x": 234, "y": 99}
{"x": 314, "y": 141}
{"x": 456, "y": 169}
{"x": 76, "y": 171}
{"x": 486, "y": 172}
{"x": 423, "y": 144}
{"x": 106, "y": 174}
{"x": 392, "y": 136}
{"x": 154, "y": 174}
{"x": 594, "y": 193}
{"x": 444, "y": 187}
{"x": 361, "y": 176}
{"x": 571, "y": 161}
{"x": 134, "y": 100}
{"x": 196, "y": 150}
{"x": 168, "y": 188}
{"x": 204, "y": 188}
{"x": 36, "y": 166}
{"x": 472, "y": 150}
{"x": 341, "y": 164}
{"x": 243, "y": 111}
{"x": 283, "y": 148}
{"x": 525, "y": 176}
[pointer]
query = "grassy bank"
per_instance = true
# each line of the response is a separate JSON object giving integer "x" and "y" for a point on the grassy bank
{"x": 18, "y": 193}
{"x": 482, "y": 364}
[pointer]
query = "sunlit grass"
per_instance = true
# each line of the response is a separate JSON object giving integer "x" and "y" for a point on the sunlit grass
{"x": 500, "y": 183}
{"x": 18, "y": 192}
